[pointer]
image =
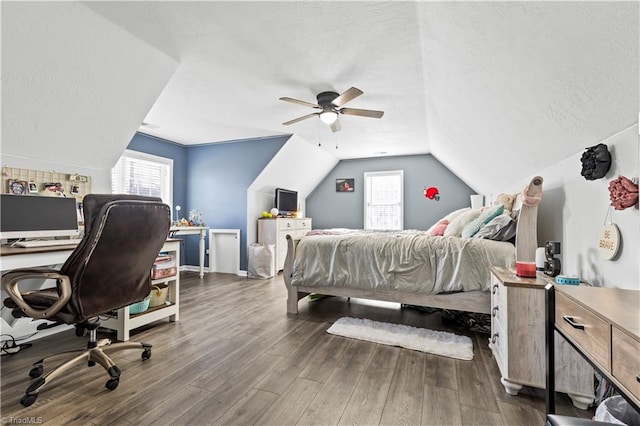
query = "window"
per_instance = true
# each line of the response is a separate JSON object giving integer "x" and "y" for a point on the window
{"x": 143, "y": 174}
{"x": 383, "y": 200}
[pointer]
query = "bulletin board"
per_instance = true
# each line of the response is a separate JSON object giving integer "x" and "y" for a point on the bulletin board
{"x": 20, "y": 181}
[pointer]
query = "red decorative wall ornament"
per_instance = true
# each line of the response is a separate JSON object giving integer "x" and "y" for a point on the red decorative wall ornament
{"x": 623, "y": 193}
{"x": 432, "y": 193}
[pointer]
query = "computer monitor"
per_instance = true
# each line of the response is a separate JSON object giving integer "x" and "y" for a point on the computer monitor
{"x": 34, "y": 216}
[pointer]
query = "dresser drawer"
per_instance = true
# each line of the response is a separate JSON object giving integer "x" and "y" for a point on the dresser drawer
{"x": 499, "y": 341}
{"x": 590, "y": 333}
{"x": 286, "y": 224}
{"x": 304, "y": 224}
{"x": 625, "y": 361}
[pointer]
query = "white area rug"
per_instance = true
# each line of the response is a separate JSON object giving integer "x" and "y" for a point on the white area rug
{"x": 419, "y": 339}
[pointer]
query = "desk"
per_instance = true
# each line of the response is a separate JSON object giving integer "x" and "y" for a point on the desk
{"x": 192, "y": 230}
{"x": 17, "y": 257}
{"x": 603, "y": 325}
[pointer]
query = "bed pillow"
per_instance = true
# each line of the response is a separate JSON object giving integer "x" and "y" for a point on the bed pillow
{"x": 438, "y": 228}
{"x": 500, "y": 228}
{"x": 455, "y": 227}
{"x": 449, "y": 218}
{"x": 471, "y": 228}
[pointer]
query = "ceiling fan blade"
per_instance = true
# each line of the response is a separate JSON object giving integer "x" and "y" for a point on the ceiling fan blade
{"x": 347, "y": 96}
{"x": 299, "y": 102}
{"x": 304, "y": 117}
{"x": 362, "y": 112}
{"x": 335, "y": 126}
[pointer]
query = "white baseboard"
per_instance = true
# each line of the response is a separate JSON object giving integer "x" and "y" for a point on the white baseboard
{"x": 192, "y": 268}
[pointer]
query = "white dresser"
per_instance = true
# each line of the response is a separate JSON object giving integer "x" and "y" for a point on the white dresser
{"x": 518, "y": 340}
{"x": 274, "y": 231}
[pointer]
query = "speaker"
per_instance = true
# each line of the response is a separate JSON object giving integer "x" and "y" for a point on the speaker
{"x": 551, "y": 263}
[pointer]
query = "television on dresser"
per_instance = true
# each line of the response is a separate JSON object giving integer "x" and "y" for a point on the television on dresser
{"x": 286, "y": 201}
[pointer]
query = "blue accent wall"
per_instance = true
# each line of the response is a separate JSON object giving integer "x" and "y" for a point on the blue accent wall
{"x": 218, "y": 177}
{"x": 331, "y": 209}
{"x": 213, "y": 179}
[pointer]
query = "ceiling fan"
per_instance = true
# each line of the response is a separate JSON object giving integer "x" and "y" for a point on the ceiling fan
{"x": 331, "y": 105}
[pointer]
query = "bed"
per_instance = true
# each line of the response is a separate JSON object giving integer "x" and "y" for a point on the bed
{"x": 409, "y": 267}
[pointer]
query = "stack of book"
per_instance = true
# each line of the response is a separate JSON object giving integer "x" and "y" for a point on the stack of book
{"x": 164, "y": 266}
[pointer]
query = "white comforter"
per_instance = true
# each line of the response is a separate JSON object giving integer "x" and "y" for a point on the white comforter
{"x": 407, "y": 261}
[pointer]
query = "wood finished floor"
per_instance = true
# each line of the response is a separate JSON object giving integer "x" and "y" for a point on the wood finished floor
{"x": 236, "y": 358}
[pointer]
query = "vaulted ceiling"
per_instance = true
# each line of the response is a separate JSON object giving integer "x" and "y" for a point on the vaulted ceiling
{"x": 495, "y": 90}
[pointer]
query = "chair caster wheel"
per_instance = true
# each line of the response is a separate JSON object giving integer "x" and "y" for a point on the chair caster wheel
{"x": 146, "y": 354}
{"x": 36, "y": 372}
{"x": 28, "y": 400}
{"x": 112, "y": 384}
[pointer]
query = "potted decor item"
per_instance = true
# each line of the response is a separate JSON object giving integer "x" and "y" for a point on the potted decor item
{"x": 596, "y": 162}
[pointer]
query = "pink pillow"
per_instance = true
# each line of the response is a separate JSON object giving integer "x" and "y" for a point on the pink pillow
{"x": 438, "y": 228}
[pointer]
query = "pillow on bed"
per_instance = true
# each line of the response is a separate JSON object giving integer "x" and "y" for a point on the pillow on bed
{"x": 448, "y": 219}
{"x": 500, "y": 228}
{"x": 455, "y": 227}
{"x": 437, "y": 230}
{"x": 471, "y": 228}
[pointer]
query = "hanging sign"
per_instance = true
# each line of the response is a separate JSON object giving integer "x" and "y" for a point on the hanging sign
{"x": 609, "y": 242}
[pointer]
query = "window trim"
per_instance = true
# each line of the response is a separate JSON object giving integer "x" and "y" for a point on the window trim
{"x": 367, "y": 175}
{"x": 128, "y": 153}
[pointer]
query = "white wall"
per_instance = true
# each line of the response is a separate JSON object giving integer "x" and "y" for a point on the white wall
{"x": 573, "y": 212}
{"x": 75, "y": 88}
{"x": 299, "y": 166}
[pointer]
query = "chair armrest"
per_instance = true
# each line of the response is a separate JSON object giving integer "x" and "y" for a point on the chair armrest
{"x": 10, "y": 282}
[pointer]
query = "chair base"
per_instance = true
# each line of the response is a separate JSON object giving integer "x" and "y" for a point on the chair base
{"x": 96, "y": 353}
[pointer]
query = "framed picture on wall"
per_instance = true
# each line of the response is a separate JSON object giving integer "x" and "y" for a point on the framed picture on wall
{"x": 345, "y": 185}
{"x": 17, "y": 187}
{"x": 33, "y": 188}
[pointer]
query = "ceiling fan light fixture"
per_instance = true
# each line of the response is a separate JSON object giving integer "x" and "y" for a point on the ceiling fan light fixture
{"x": 328, "y": 117}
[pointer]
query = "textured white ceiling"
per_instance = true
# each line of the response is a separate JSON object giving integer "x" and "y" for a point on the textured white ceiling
{"x": 495, "y": 90}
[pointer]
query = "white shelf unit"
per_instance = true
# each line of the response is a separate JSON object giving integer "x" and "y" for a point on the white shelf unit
{"x": 123, "y": 322}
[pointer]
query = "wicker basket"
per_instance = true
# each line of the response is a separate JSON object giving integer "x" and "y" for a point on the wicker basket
{"x": 139, "y": 307}
{"x": 159, "y": 294}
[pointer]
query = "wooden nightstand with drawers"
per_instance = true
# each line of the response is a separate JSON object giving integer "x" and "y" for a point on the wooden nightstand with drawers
{"x": 518, "y": 340}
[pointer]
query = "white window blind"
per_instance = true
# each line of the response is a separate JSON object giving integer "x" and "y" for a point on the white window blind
{"x": 383, "y": 197}
{"x": 143, "y": 174}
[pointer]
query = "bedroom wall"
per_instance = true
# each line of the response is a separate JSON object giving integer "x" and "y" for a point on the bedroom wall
{"x": 573, "y": 211}
{"x": 218, "y": 177}
{"x": 331, "y": 209}
{"x": 298, "y": 166}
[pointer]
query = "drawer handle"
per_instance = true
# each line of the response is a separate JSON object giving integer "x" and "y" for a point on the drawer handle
{"x": 495, "y": 288}
{"x": 494, "y": 338}
{"x": 572, "y": 323}
{"x": 638, "y": 378}
{"x": 494, "y": 312}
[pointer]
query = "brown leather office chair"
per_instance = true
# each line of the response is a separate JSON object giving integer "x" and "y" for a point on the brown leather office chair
{"x": 109, "y": 269}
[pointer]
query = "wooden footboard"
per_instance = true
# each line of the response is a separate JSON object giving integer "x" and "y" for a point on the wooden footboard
{"x": 293, "y": 295}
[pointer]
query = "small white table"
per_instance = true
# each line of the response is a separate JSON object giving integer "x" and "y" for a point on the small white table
{"x": 192, "y": 230}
